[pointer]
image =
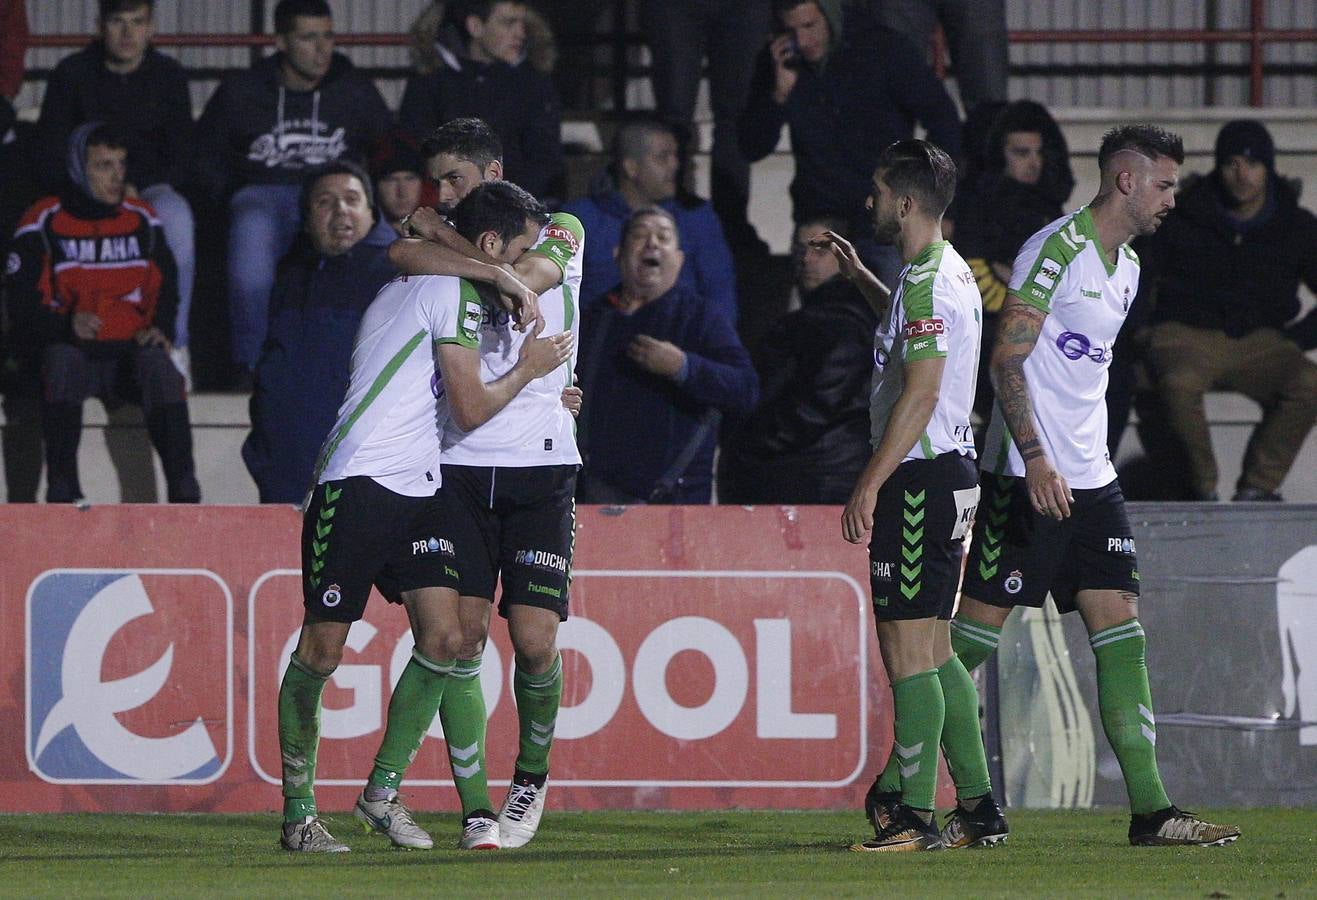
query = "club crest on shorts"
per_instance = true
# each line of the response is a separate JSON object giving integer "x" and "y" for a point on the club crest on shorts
{"x": 332, "y": 596}
{"x": 1014, "y": 582}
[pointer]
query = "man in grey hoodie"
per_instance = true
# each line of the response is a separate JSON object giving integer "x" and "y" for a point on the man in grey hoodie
{"x": 304, "y": 107}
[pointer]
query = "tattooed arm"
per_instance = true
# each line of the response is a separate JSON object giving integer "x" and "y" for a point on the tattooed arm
{"x": 1017, "y": 333}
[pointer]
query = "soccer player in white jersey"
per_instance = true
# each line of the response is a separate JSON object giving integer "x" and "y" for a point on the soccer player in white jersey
{"x": 1053, "y": 516}
{"x": 918, "y": 492}
{"x": 510, "y": 487}
{"x": 373, "y": 517}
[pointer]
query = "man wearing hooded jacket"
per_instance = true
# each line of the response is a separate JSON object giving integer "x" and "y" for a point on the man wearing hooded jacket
{"x": 1220, "y": 286}
{"x": 91, "y": 293}
{"x": 845, "y": 89}
{"x": 304, "y": 107}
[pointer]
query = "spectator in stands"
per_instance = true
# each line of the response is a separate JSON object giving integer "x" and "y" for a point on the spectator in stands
{"x": 304, "y": 107}
{"x": 845, "y": 89}
{"x": 121, "y": 79}
{"x": 13, "y": 46}
{"x": 323, "y": 287}
{"x": 1022, "y": 185}
{"x": 644, "y": 173}
{"x": 437, "y": 37}
{"x": 808, "y": 439}
{"x": 659, "y": 368}
{"x": 91, "y": 288}
{"x": 681, "y": 34}
{"x": 400, "y": 184}
{"x": 1222, "y": 276}
{"x": 20, "y": 376}
{"x": 976, "y": 36}
{"x": 485, "y": 74}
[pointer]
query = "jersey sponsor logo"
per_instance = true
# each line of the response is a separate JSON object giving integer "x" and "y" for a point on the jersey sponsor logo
{"x": 1048, "y": 271}
{"x": 541, "y": 559}
{"x": 880, "y": 571}
{"x": 106, "y": 703}
{"x": 473, "y": 316}
{"x": 13, "y": 263}
{"x": 927, "y": 343}
{"x": 922, "y": 327}
{"x": 556, "y": 232}
{"x": 1074, "y": 345}
{"x": 433, "y": 545}
{"x": 1120, "y": 545}
{"x": 1092, "y": 295}
{"x": 108, "y": 249}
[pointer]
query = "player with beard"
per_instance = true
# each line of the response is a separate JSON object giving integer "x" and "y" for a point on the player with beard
{"x": 1053, "y": 516}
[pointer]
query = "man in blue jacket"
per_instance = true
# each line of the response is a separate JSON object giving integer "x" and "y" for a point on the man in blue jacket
{"x": 644, "y": 173}
{"x": 323, "y": 287}
{"x": 263, "y": 129}
{"x": 658, "y": 367}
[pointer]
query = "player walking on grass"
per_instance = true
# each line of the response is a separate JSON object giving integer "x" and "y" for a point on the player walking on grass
{"x": 919, "y": 490}
{"x": 373, "y": 517}
{"x": 1053, "y": 516}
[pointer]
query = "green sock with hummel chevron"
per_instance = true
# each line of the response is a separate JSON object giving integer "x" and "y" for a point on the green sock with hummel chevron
{"x": 538, "y": 698}
{"x": 919, "y": 710}
{"x": 462, "y": 712}
{"x": 299, "y": 737}
{"x": 1125, "y": 702}
{"x": 412, "y": 708}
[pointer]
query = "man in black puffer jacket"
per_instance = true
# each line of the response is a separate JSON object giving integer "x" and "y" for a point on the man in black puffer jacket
{"x": 808, "y": 438}
{"x": 1221, "y": 277}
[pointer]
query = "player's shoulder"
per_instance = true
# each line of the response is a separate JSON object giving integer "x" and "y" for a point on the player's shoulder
{"x": 1060, "y": 240}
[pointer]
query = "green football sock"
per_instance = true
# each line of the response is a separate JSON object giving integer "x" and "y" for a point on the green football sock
{"x": 412, "y": 707}
{"x": 889, "y": 782}
{"x": 462, "y": 713}
{"x": 973, "y": 641}
{"x": 919, "y": 709}
{"x": 1125, "y": 701}
{"x": 962, "y": 741}
{"x": 299, "y": 737}
{"x": 538, "y": 697}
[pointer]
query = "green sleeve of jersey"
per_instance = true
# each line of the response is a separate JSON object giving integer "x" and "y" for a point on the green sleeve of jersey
{"x": 464, "y": 329}
{"x": 1045, "y": 273}
{"x": 924, "y": 332}
{"x": 561, "y": 239}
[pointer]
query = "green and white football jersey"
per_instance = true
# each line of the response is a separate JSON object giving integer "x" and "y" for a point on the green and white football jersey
{"x": 534, "y": 429}
{"x": 936, "y": 311}
{"x": 390, "y": 422}
{"x": 1063, "y": 271}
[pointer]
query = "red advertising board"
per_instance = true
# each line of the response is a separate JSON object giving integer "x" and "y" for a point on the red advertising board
{"x": 715, "y": 657}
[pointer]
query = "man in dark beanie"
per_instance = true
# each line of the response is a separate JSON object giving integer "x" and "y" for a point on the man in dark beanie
{"x": 398, "y": 170}
{"x": 1221, "y": 278}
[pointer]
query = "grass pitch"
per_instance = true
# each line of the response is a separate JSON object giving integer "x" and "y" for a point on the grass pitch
{"x": 716, "y": 854}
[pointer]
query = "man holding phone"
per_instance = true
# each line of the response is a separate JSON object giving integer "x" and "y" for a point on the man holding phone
{"x": 822, "y": 73}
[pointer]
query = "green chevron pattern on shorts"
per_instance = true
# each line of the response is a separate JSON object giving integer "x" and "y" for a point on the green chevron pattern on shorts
{"x": 324, "y": 525}
{"x": 990, "y": 550}
{"x": 912, "y": 544}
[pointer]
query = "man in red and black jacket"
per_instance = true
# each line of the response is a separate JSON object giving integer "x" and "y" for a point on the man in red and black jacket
{"x": 92, "y": 292}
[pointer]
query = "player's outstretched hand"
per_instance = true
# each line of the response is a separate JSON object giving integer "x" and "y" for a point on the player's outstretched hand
{"x": 572, "y": 399}
{"x": 1048, "y": 492}
{"x": 542, "y": 355}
